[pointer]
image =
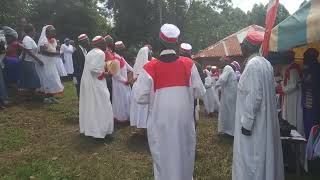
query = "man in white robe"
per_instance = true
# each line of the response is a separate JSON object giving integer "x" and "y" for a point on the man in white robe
{"x": 291, "y": 87}
{"x": 186, "y": 51}
{"x": 96, "y": 116}
{"x": 257, "y": 150}
{"x": 228, "y": 83}
{"x": 121, "y": 89}
{"x": 169, "y": 85}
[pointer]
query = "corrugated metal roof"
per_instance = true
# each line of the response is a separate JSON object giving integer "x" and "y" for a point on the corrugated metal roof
{"x": 229, "y": 46}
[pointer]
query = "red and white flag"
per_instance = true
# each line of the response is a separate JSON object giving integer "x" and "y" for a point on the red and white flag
{"x": 270, "y": 20}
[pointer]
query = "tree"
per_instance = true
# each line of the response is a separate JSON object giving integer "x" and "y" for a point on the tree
{"x": 71, "y": 18}
{"x": 10, "y": 11}
{"x": 258, "y": 14}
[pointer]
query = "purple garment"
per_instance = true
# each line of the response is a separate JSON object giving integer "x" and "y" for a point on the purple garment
{"x": 310, "y": 97}
{"x": 11, "y": 71}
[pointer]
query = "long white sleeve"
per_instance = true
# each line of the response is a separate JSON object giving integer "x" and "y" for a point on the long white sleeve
{"x": 196, "y": 83}
{"x": 97, "y": 65}
{"x": 129, "y": 68}
{"x": 250, "y": 84}
{"x": 292, "y": 84}
{"x": 224, "y": 76}
{"x": 144, "y": 87}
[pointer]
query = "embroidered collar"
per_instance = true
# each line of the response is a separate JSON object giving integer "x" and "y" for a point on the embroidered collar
{"x": 167, "y": 51}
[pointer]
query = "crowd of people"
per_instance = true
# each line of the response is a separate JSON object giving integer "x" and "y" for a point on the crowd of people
{"x": 161, "y": 95}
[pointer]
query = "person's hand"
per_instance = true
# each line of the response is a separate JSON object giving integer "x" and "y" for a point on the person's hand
{"x": 245, "y": 132}
{"x": 127, "y": 83}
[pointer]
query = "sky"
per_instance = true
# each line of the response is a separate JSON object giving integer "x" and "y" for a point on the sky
{"x": 246, "y": 5}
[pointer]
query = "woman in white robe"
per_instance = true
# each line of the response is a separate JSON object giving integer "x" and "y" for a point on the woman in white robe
{"x": 96, "y": 116}
{"x": 228, "y": 83}
{"x": 210, "y": 99}
{"x": 48, "y": 74}
{"x": 139, "y": 112}
{"x": 121, "y": 92}
{"x": 66, "y": 51}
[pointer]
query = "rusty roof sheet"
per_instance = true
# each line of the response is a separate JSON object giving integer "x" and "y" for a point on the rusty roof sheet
{"x": 229, "y": 46}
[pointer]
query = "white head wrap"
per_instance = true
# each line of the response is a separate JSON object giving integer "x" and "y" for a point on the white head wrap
{"x": 141, "y": 60}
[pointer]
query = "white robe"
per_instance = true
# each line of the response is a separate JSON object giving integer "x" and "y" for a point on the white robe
{"x": 171, "y": 128}
{"x": 67, "y": 52}
{"x": 96, "y": 116}
{"x": 259, "y": 156}
{"x": 121, "y": 94}
{"x": 292, "y": 107}
{"x": 60, "y": 67}
{"x": 211, "y": 99}
{"x": 228, "y": 83}
{"x": 139, "y": 112}
{"x": 48, "y": 73}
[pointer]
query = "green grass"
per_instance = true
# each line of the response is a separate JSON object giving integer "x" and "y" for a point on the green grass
{"x": 38, "y": 169}
{"x": 43, "y": 142}
{"x": 12, "y": 139}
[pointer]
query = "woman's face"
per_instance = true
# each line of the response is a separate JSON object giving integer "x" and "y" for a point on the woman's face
{"x": 51, "y": 32}
{"x": 33, "y": 32}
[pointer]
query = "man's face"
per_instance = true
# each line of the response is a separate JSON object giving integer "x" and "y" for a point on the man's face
{"x": 222, "y": 64}
{"x": 244, "y": 51}
{"x": 22, "y": 22}
{"x": 67, "y": 42}
{"x": 85, "y": 43}
{"x": 102, "y": 46}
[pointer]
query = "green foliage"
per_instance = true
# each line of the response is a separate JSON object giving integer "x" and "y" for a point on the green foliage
{"x": 202, "y": 22}
{"x": 258, "y": 14}
{"x": 10, "y": 10}
{"x": 70, "y": 17}
{"x": 137, "y": 22}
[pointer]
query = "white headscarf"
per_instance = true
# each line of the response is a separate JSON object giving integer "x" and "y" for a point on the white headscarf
{"x": 43, "y": 40}
{"x": 141, "y": 60}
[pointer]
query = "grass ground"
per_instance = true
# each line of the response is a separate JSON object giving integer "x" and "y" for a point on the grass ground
{"x": 40, "y": 141}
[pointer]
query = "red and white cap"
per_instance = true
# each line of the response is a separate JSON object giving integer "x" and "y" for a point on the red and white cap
{"x": 82, "y": 37}
{"x": 255, "y": 38}
{"x": 169, "y": 33}
{"x": 185, "y": 47}
{"x": 119, "y": 45}
{"x": 97, "y": 39}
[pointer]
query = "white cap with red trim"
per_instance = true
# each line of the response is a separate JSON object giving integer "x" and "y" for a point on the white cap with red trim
{"x": 119, "y": 45}
{"x": 97, "y": 39}
{"x": 82, "y": 37}
{"x": 169, "y": 33}
{"x": 185, "y": 47}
